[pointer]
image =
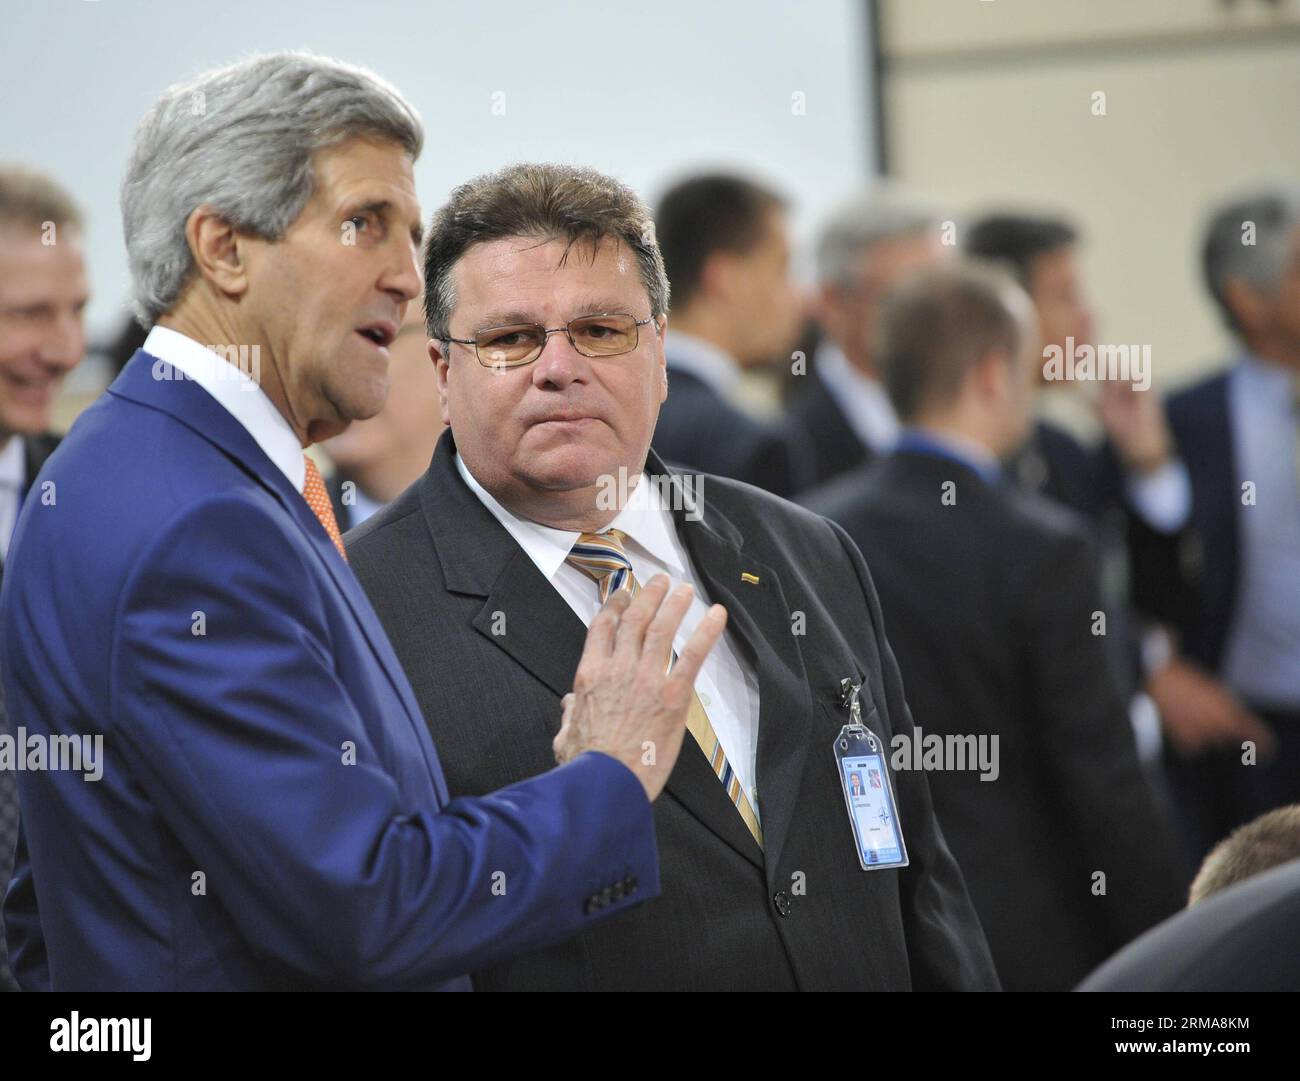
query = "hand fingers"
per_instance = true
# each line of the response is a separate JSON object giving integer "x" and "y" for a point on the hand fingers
{"x": 1252, "y": 728}
{"x": 632, "y": 626}
{"x": 604, "y": 628}
{"x": 702, "y": 640}
{"x": 658, "y": 646}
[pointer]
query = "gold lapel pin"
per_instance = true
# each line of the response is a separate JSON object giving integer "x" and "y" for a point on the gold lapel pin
{"x": 752, "y": 579}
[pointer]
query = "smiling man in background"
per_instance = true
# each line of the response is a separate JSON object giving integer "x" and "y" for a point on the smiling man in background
{"x": 43, "y": 295}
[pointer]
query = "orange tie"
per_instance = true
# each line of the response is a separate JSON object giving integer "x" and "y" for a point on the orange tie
{"x": 313, "y": 490}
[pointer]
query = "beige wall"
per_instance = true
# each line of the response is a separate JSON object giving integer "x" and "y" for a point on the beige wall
{"x": 989, "y": 102}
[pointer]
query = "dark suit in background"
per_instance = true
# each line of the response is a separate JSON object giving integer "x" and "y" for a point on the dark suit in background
{"x": 799, "y": 913}
{"x": 37, "y": 448}
{"x": 816, "y": 423}
{"x": 989, "y": 605}
{"x": 703, "y": 432}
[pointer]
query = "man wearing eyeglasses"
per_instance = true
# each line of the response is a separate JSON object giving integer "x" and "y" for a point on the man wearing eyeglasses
{"x": 546, "y": 303}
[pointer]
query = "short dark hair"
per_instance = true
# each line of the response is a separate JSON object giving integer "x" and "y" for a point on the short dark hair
{"x": 936, "y": 326}
{"x": 560, "y": 202}
{"x": 30, "y": 198}
{"x": 705, "y": 214}
{"x": 1017, "y": 240}
{"x": 1260, "y": 845}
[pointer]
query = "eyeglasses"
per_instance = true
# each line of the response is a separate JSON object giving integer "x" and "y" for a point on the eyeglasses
{"x": 522, "y": 343}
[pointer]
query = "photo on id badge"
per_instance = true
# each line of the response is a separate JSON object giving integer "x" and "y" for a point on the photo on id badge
{"x": 868, "y": 790}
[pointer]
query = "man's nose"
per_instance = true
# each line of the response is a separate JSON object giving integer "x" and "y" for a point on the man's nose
{"x": 65, "y": 344}
{"x": 560, "y": 364}
{"x": 404, "y": 279}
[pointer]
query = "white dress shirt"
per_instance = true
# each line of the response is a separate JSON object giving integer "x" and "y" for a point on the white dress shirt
{"x": 240, "y": 395}
{"x": 13, "y": 475}
{"x": 727, "y": 687}
{"x": 861, "y": 399}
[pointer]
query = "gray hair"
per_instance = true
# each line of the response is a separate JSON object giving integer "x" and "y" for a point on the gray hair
{"x": 880, "y": 214}
{"x": 563, "y": 202}
{"x": 1271, "y": 214}
{"x": 241, "y": 139}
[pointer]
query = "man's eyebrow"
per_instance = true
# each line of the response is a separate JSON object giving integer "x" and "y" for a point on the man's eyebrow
{"x": 602, "y": 306}
{"x": 383, "y": 208}
{"x": 504, "y": 318}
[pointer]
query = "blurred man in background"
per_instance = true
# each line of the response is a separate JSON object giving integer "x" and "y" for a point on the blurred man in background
{"x": 1237, "y": 433}
{"x": 376, "y": 459}
{"x": 726, "y": 244}
{"x": 43, "y": 294}
{"x": 1134, "y": 489}
{"x": 992, "y": 597}
{"x": 843, "y": 417}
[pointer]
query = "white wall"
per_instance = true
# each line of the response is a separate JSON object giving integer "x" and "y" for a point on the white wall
{"x": 991, "y": 105}
{"x": 644, "y": 91}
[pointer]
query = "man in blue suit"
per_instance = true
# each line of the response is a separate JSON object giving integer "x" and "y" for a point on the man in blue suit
{"x": 1236, "y": 604}
{"x": 177, "y": 605}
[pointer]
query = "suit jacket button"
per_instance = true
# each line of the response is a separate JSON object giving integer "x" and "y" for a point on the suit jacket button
{"x": 782, "y": 902}
{"x": 630, "y": 883}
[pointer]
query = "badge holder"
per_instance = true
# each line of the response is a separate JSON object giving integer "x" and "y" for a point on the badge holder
{"x": 868, "y": 789}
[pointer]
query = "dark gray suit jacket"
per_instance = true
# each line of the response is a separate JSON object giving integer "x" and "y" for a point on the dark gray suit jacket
{"x": 443, "y": 574}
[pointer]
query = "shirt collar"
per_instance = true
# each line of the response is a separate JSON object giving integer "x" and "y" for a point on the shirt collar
{"x": 13, "y": 464}
{"x": 974, "y": 456}
{"x": 239, "y": 394}
{"x": 645, "y": 520}
{"x": 1276, "y": 380}
{"x": 702, "y": 359}
{"x": 862, "y": 399}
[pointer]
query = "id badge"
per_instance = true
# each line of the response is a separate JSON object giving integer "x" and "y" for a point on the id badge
{"x": 860, "y": 761}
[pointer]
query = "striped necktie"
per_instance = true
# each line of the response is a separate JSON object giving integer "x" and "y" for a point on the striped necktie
{"x": 601, "y": 558}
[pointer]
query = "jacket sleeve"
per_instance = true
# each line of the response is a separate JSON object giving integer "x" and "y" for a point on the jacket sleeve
{"x": 946, "y": 947}
{"x": 253, "y": 752}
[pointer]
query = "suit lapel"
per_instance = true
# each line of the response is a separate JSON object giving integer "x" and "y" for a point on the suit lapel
{"x": 759, "y": 620}
{"x": 524, "y": 616}
{"x": 196, "y": 409}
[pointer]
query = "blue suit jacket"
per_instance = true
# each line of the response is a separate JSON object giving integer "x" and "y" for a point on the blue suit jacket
{"x": 1201, "y": 420}
{"x": 272, "y": 813}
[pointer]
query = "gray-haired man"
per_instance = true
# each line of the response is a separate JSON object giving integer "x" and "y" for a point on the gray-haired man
{"x": 843, "y": 417}
{"x": 270, "y": 811}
